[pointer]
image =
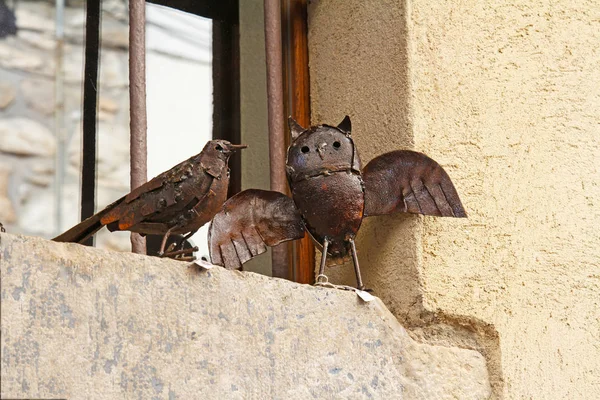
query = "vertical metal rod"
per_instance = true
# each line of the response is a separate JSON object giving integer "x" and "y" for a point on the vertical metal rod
{"x": 90, "y": 100}
{"x": 226, "y": 92}
{"x": 137, "y": 104}
{"x": 273, "y": 50}
{"x": 323, "y": 257}
{"x": 359, "y": 283}
{"x": 59, "y": 116}
{"x": 275, "y": 94}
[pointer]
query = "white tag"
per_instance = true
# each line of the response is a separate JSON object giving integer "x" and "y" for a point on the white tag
{"x": 365, "y": 296}
{"x": 203, "y": 264}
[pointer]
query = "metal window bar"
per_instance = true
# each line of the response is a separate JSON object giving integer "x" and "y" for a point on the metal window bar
{"x": 225, "y": 79}
{"x": 273, "y": 50}
{"x": 138, "y": 123}
{"x": 137, "y": 105}
{"x": 90, "y": 100}
{"x": 226, "y": 91}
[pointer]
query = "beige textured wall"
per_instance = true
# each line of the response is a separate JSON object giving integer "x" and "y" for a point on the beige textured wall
{"x": 507, "y": 98}
{"x": 253, "y": 108}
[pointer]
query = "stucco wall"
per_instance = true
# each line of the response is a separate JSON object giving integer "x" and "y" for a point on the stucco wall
{"x": 81, "y": 323}
{"x": 253, "y": 92}
{"x": 507, "y": 98}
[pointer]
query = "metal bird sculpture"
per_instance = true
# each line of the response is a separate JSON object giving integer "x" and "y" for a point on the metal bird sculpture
{"x": 177, "y": 201}
{"x": 331, "y": 195}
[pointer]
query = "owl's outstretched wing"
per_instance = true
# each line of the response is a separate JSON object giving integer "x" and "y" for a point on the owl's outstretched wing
{"x": 408, "y": 181}
{"x": 250, "y": 221}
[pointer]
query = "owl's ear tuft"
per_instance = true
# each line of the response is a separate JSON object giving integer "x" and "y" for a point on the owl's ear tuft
{"x": 345, "y": 125}
{"x": 295, "y": 128}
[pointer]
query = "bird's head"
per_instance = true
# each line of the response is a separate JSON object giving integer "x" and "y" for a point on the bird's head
{"x": 320, "y": 149}
{"x": 222, "y": 148}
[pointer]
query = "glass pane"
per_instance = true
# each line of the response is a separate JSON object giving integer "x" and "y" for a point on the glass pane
{"x": 179, "y": 91}
{"x": 38, "y": 136}
{"x": 41, "y": 106}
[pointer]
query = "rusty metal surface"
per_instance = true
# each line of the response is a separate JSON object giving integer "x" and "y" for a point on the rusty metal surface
{"x": 332, "y": 207}
{"x": 177, "y": 201}
{"x": 137, "y": 100}
{"x": 273, "y": 52}
{"x": 272, "y": 11}
{"x": 324, "y": 175}
{"x": 332, "y": 196}
{"x": 250, "y": 221}
{"x": 408, "y": 181}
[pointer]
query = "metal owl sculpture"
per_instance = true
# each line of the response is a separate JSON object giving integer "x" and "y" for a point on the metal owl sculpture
{"x": 331, "y": 195}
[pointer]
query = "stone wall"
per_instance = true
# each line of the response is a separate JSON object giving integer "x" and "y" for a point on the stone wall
{"x": 506, "y": 97}
{"x": 179, "y": 101}
{"x": 87, "y": 323}
{"x": 28, "y": 109}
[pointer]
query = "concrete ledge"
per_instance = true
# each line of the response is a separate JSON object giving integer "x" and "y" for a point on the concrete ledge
{"x": 85, "y": 323}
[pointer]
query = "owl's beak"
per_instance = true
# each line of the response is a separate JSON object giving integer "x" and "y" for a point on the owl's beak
{"x": 321, "y": 150}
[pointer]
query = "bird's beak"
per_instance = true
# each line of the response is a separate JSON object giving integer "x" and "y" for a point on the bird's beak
{"x": 237, "y": 146}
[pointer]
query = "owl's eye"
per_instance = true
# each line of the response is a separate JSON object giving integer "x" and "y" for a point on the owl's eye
{"x": 219, "y": 148}
{"x": 336, "y": 144}
{"x": 305, "y": 149}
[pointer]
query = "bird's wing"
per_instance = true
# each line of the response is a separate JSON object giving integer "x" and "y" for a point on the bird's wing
{"x": 250, "y": 221}
{"x": 176, "y": 174}
{"x": 408, "y": 181}
{"x": 159, "y": 196}
{"x": 161, "y": 200}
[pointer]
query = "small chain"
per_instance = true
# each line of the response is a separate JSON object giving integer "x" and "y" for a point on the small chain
{"x": 323, "y": 281}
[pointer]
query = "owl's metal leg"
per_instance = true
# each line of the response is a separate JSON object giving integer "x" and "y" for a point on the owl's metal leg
{"x": 323, "y": 258}
{"x": 359, "y": 283}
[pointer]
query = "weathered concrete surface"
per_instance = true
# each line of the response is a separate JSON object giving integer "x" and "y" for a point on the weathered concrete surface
{"x": 506, "y": 96}
{"x": 87, "y": 323}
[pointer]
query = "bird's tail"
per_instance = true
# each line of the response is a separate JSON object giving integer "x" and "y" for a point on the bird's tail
{"x": 86, "y": 228}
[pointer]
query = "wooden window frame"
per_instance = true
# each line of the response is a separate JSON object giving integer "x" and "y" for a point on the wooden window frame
{"x": 297, "y": 104}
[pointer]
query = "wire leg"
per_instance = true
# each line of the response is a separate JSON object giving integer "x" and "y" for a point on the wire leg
{"x": 323, "y": 258}
{"x": 359, "y": 282}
